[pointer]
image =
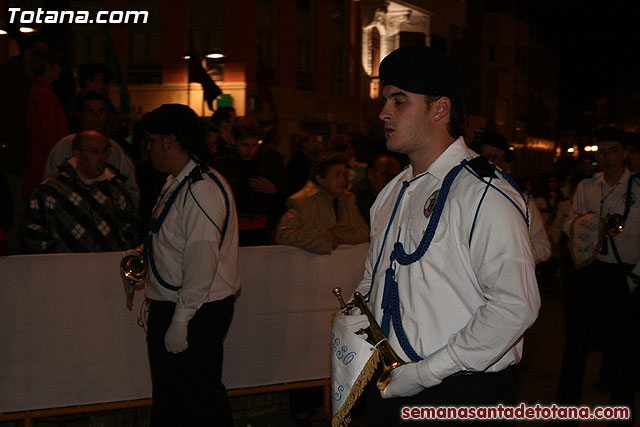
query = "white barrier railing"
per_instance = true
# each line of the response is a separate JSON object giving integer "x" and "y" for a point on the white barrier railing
{"x": 66, "y": 337}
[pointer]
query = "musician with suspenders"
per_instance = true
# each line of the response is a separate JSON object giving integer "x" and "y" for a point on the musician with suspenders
{"x": 450, "y": 276}
{"x": 194, "y": 274}
{"x": 605, "y": 295}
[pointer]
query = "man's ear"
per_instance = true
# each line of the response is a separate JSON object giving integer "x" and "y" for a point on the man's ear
{"x": 441, "y": 108}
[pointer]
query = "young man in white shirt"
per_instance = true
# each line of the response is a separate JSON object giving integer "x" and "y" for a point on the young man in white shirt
{"x": 194, "y": 274}
{"x": 450, "y": 276}
{"x": 605, "y": 300}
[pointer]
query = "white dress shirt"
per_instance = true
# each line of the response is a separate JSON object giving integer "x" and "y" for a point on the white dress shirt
{"x": 464, "y": 307}
{"x": 595, "y": 195}
{"x": 186, "y": 246}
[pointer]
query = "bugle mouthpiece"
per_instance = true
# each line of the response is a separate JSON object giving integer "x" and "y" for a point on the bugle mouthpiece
{"x": 338, "y": 293}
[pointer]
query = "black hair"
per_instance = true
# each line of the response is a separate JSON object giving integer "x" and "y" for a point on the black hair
{"x": 222, "y": 114}
{"x": 457, "y": 112}
{"x": 245, "y": 130}
{"x": 182, "y": 122}
{"x": 88, "y": 72}
{"x": 193, "y": 141}
{"x": 43, "y": 57}
{"x": 484, "y": 136}
{"x": 324, "y": 161}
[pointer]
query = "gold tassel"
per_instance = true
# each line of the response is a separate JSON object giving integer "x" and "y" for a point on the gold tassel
{"x": 343, "y": 416}
{"x": 333, "y": 318}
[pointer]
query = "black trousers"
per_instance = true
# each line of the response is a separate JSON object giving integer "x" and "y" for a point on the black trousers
{"x": 601, "y": 313}
{"x": 187, "y": 386}
{"x": 481, "y": 389}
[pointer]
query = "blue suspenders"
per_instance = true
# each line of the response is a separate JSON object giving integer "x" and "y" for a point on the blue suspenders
{"x": 156, "y": 223}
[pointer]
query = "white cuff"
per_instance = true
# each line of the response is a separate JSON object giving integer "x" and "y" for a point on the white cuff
{"x": 426, "y": 377}
{"x": 441, "y": 364}
{"x": 183, "y": 314}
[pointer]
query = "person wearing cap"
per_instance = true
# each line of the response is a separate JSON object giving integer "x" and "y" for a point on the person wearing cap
{"x": 450, "y": 276}
{"x": 194, "y": 274}
{"x": 494, "y": 147}
{"x": 606, "y": 291}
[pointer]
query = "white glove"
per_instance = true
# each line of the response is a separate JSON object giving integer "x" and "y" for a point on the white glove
{"x": 409, "y": 380}
{"x": 355, "y": 311}
{"x": 175, "y": 340}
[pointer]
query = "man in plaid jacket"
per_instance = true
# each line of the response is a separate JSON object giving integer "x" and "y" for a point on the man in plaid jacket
{"x": 85, "y": 207}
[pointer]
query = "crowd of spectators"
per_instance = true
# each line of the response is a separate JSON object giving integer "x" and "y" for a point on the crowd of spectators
{"x": 78, "y": 176}
{"x": 318, "y": 199}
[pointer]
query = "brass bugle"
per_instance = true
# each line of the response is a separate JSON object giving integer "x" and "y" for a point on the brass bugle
{"x": 614, "y": 224}
{"x": 375, "y": 337}
{"x": 133, "y": 270}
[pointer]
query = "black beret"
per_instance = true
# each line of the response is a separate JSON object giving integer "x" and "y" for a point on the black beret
{"x": 422, "y": 70}
{"x": 170, "y": 119}
{"x": 609, "y": 133}
{"x": 494, "y": 139}
{"x": 633, "y": 140}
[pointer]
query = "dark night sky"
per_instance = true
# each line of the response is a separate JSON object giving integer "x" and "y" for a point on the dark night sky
{"x": 596, "y": 44}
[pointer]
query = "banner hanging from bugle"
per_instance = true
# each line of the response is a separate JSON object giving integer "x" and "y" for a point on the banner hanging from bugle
{"x": 353, "y": 363}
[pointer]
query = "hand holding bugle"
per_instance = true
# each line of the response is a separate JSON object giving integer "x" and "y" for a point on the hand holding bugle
{"x": 375, "y": 337}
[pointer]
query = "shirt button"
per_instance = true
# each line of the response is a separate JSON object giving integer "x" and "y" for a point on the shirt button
{"x": 410, "y": 192}
{"x": 375, "y": 228}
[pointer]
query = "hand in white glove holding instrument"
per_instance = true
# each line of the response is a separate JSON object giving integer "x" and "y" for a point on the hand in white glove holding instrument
{"x": 410, "y": 379}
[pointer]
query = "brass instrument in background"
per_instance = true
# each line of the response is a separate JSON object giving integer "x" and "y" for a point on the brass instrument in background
{"x": 587, "y": 234}
{"x": 133, "y": 271}
{"x": 614, "y": 224}
{"x": 375, "y": 337}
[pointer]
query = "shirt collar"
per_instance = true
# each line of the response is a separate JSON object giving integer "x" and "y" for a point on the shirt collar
{"x": 449, "y": 158}
{"x": 624, "y": 178}
{"x": 186, "y": 170}
{"x": 106, "y": 175}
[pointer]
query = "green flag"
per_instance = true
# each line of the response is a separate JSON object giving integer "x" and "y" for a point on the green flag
{"x": 116, "y": 74}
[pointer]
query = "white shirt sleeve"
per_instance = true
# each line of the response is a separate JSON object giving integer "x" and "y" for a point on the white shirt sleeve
{"x": 201, "y": 254}
{"x": 501, "y": 258}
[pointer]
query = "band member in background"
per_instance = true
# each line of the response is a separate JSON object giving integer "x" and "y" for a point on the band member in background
{"x": 194, "y": 274}
{"x": 450, "y": 276}
{"x": 494, "y": 147}
{"x": 605, "y": 299}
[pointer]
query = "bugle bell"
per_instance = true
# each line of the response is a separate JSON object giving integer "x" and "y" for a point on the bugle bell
{"x": 614, "y": 224}
{"x": 133, "y": 271}
{"x": 375, "y": 337}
